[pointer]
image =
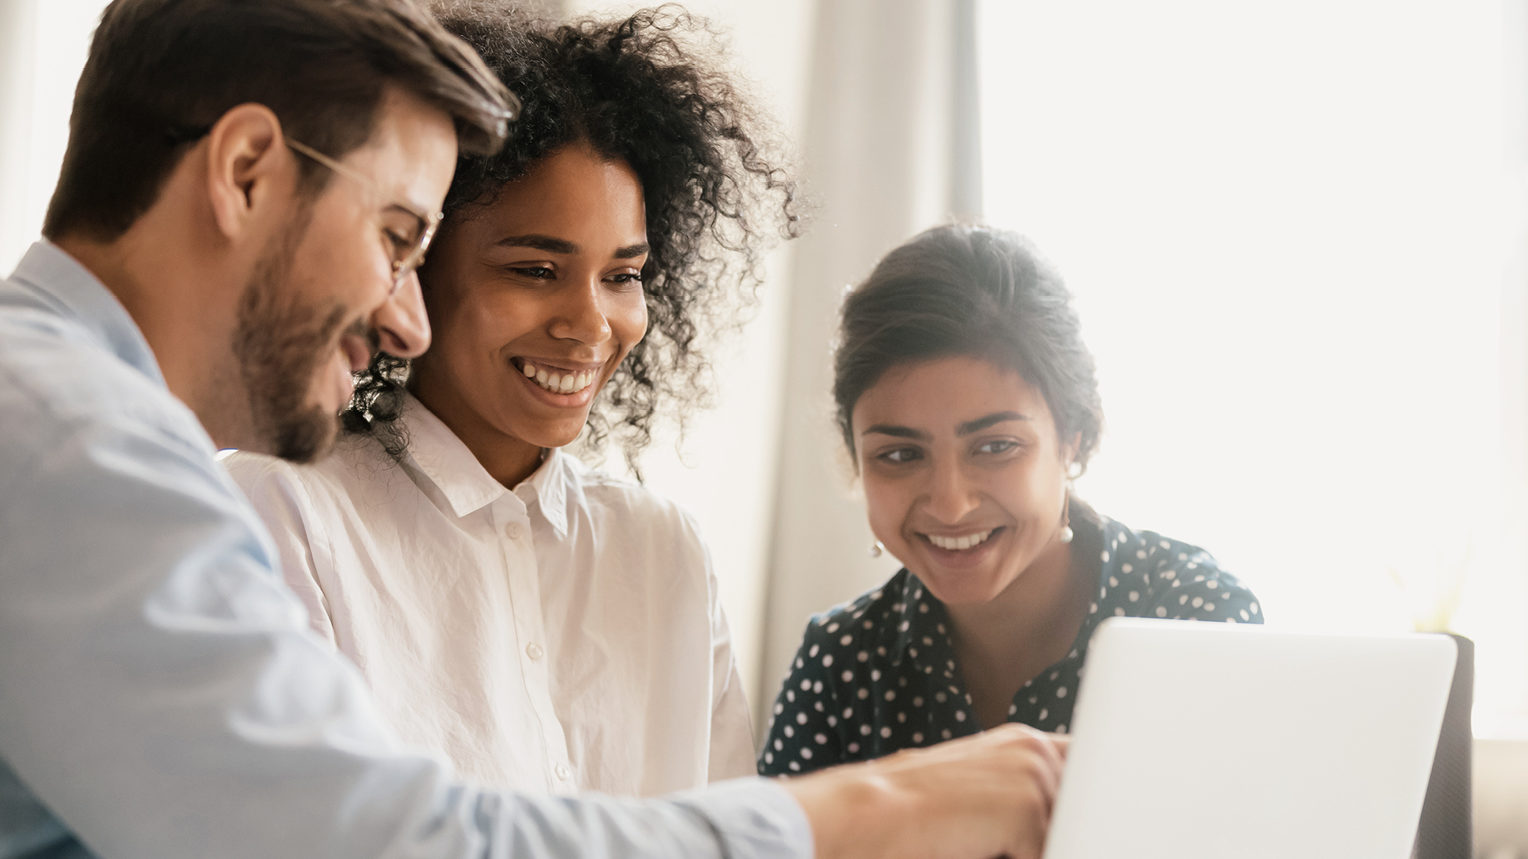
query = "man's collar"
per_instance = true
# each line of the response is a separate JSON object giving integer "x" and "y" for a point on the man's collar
{"x": 60, "y": 281}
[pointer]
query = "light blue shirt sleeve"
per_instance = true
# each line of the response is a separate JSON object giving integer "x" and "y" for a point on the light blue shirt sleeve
{"x": 161, "y": 696}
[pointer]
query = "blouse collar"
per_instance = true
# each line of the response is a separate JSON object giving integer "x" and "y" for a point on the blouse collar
{"x": 443, "y": 459}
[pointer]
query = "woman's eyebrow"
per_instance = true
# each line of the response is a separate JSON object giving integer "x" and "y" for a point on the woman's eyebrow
{"x": 550, "y": 244}
{"x": 982, "y": 423}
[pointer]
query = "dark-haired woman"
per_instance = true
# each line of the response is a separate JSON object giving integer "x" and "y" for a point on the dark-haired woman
{"x": 969, "y": 403}
{"x": 542, "y": 625}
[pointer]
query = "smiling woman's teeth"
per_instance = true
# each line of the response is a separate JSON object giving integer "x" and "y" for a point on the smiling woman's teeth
{"x": 957, "y": 544}
{"x": 555, "y": 381}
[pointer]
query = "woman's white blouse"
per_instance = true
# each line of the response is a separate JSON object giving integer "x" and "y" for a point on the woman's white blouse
{"x": 565, "y": 635}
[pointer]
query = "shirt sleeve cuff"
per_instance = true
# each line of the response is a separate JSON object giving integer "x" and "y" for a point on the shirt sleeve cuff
{"x": 754, "y": 818}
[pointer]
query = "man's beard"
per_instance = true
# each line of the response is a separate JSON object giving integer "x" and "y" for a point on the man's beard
{"x": 280, "y": 346}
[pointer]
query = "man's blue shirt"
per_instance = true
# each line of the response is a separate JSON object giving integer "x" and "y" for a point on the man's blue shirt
{"x": 160, "y": 694}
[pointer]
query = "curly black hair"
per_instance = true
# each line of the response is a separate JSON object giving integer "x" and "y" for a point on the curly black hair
{"x": 637, "y": 90}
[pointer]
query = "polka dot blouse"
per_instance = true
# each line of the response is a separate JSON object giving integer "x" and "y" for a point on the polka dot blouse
{"x": 879, "y": 674}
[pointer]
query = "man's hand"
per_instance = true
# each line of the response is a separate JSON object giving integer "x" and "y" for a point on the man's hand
{"x": 973, "y": 798}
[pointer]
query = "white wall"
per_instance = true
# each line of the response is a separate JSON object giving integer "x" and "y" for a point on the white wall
{"x": 42, "y": 48}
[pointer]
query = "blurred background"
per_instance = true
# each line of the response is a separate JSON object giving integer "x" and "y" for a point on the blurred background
{"x": 1297, "y": 236}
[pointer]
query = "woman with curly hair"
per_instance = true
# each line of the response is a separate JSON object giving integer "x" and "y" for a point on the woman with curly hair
{"x": 542, "y": 625}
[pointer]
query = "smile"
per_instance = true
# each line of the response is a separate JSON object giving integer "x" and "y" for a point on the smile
{"x": 960, "y": 544}
{"x": 558, "y": 381}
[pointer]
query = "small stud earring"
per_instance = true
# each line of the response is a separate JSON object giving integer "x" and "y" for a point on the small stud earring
{"x": 1066, "y": 534}
{"x": 877, "y": 549}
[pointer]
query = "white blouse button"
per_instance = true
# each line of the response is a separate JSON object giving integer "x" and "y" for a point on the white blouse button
{"x": 534, "y": 651}
{"x": 512, "y": 531}
{"x": 562, "y": 772}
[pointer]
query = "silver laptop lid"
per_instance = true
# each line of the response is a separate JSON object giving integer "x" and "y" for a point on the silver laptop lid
{"x": 1220, "y": 741}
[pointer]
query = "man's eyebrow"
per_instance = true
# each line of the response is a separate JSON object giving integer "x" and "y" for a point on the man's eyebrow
{"x": 897, "y": 431}
{"x": 550, "y": 244}
{"x": 982, "y": 423}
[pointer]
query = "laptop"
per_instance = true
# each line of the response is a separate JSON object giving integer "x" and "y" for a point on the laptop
{"x": 1223, "y": 741}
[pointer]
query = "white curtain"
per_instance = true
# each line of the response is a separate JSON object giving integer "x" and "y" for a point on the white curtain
{"x": 889, "y": 149}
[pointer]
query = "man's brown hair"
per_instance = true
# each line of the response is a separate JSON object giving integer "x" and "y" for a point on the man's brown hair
{"x": 161, "y": 72}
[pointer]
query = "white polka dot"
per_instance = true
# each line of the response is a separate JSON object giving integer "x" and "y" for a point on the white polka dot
{"x": 875, "y": 674}
{"x": 817, "y": 687}
{"x": 790, "y": 695}
{"x": 862, "y": 656}
{"x": 832, "y": 720}
{"x": 1044, "y": 713}
{"x": 1164, "y": 544}
{"x": 846, "y": 676}
{"x": 832, "y": 627}
{"x": 1183, "y": 599}
{"x": 1161, "y": 611}
{"x": 1212, "y": 585}
{"x": 890, "y": 695}
{"x": 960, "y": 715}
{"x": 827, "y": 660}
{"x": 864, "y": 730}
{"x": 848, "y": 712}
{"x": 806, "y": 685}
{"x": 779, "y": 745}
{"x": 940, "y": 697}
{"x": 885, "y": 733}
{"x": 901, "y": 717}
{"x": 1198, "y": 601}
{"x": 769, "y": 757}
{"x": 779, "y": 708}
{"x": 1254, "y": 608}
{"x": 813, "y": 651}
{"x": 1168, "y": 574}
{"x": 1140, "y": 553}
{"x": 846, "y": 640}
{"x": 1244, "y": 615}
{"x": 1134, "y": 596}
{"x": 806, "y": 753}
{"x": 945, "y": 734}
{"x": 1126, "y": 568}
{"x": 1105, "y": 557}
{"x": 918, "y": 701}
{"x": 1113, "y": 582}
{"x": 799, "y": 663}
{"x": 854, "y": 748}
{"x": 789, "y": 731}
{"x": 801, "y": 718}
{"x": 1209, "y": 606}
{"x": 863, "y": 693}
{"x": 1119, "y": 612}
{"x": 794, "y": 766}
{"x": 917, "y": 737}
{"x": 1061, "y": 692}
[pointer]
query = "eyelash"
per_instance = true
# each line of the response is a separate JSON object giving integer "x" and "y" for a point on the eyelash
{"x": 541, "y": 272}
{"x": 907, "y": 455}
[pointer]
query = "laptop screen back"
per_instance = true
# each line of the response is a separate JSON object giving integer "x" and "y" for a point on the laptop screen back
{"x": 1216, "y": 741}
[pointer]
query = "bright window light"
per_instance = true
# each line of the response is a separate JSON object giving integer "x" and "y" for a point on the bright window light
{"x": 1290, "y": 229}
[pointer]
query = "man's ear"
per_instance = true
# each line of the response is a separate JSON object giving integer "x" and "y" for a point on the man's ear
{"x": 246, "y": 164}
